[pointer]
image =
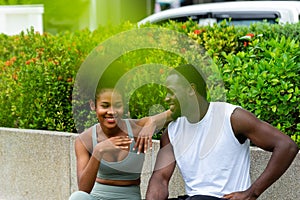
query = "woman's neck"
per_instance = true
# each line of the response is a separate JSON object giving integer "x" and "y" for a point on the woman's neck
{"x": 116, "y": 131}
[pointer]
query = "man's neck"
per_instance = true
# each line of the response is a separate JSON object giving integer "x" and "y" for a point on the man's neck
{"x": 197, "y": 113}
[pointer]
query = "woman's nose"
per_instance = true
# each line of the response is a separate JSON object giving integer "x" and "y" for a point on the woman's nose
{"x": 111, "y": 112}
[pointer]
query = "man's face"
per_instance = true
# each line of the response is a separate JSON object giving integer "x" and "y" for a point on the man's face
{"x": 177, "y": 94}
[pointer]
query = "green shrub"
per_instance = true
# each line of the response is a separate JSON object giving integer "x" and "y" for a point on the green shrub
{"x": 264, "y": 79}
{"x": 260, "y": 73}
{"x": 37, "y": 76}
{"x": 39, "y": 81}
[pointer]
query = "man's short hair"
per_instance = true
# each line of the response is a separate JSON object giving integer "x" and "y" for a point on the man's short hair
{"x": 193, "y": 76}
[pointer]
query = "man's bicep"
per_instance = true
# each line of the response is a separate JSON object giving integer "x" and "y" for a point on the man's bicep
{"x": 260, "y": 133}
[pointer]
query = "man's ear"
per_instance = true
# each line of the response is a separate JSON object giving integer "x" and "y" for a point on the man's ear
{"x": 192, "y": 89}
{"x": 92, "y": 105}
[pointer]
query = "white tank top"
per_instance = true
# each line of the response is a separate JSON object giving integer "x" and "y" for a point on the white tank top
{"x": 210, "y": 158}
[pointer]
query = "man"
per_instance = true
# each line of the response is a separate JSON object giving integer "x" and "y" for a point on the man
{"x": 209, "y": 141}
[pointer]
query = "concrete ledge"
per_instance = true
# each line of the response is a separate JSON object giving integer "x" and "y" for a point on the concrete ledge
{"x": 38, "y": 164}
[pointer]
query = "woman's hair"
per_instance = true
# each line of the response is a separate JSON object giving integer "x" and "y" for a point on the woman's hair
{"x": 193, "y": 76}
{"x": 110, "y": 78}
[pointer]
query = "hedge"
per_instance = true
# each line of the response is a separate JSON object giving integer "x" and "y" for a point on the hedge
{"x": 259, "y": 65}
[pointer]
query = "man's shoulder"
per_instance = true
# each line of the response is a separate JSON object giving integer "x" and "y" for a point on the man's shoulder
{"x": 176, "y": 121}
{"x": 224, "y": 105}
{"x": 221, "y": 103}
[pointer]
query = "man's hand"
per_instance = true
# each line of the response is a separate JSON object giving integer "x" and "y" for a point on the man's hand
{"x": 246, "y": 195}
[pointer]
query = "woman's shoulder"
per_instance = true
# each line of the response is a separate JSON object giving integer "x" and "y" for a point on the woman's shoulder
{"x": 85, "y": 138}
{"x": 88, "y": 131}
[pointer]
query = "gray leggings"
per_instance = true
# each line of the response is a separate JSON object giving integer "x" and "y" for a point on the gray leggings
{"x": 108, "y": 192}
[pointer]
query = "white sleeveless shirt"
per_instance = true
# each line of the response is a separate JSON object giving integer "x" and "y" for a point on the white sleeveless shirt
{"x": 210, "y": 158}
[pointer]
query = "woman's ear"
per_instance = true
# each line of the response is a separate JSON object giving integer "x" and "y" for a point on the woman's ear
{"x": 92, "y": 105}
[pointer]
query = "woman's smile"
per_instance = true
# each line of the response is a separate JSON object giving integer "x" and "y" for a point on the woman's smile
{"x": 110, "y": 119}
{"x": 109, "y": 109}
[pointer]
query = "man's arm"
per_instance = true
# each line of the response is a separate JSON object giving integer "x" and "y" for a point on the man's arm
{"x": 163, "y": 170}
{"x": 267, "y": 137}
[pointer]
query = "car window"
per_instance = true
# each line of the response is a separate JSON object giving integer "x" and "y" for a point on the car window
{"x": 247, "y": 18}
{"x": 248, "y": 22}
{"x": 234, "y": 17}
{"x": 185, "y": 18}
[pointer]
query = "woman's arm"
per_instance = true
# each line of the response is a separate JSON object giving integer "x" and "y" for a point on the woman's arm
{"x": 88, "y": 163}
{"x": 149, "y": 125}
{"x": 87, "y": 166}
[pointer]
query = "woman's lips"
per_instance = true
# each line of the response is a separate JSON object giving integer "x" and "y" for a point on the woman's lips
{"x": 110, "y": 119}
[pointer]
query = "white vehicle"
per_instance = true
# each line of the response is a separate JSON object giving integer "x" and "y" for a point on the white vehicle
{"x": 240, "y": 12}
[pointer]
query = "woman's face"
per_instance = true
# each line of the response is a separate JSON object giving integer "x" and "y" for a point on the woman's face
{"x": 109, "y": 108}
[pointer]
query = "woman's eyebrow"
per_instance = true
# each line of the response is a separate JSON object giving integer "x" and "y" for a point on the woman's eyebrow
{"x": 104, "y": 102}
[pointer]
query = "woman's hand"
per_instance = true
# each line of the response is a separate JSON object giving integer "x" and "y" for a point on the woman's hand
{"x": 112, "y": 144}
{"x": 144, "y": 139}
{"x": 149, "y": 126}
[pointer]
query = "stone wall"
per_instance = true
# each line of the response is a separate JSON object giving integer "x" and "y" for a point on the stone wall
{"x": 41, "y": 165}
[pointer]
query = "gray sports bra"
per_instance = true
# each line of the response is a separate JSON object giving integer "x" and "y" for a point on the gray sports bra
{"x": 127, "y": 169}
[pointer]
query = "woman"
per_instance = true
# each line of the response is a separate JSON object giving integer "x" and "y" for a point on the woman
{"x": 108, "y": 166}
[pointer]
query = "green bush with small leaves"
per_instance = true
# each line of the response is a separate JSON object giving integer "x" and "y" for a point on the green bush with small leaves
{"x": 259, "y": 65}
{"x": 37, "y": 76}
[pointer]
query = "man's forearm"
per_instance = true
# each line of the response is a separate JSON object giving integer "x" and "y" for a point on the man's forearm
{"x": 279, "y": 162}
{"x": 157, "y": 188}
{"x": 157, "y": 192}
